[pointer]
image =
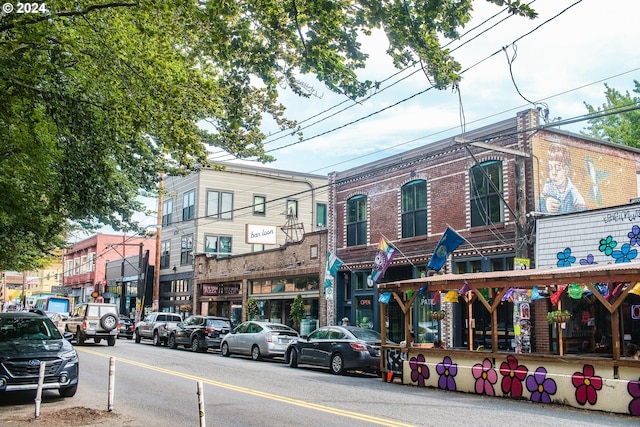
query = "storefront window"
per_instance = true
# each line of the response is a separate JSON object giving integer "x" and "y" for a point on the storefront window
{"x": 364, "y": 312}
{"x": 428, "y": 329}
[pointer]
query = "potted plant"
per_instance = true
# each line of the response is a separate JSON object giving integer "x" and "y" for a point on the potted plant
{"x": 437, "y": 315}
{"x": 297, "y": 310}
{"x": 558, "y": 316}
{"x": 252, "y": 308}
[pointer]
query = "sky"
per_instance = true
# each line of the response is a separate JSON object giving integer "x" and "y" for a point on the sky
{"x": 563, "y": 58}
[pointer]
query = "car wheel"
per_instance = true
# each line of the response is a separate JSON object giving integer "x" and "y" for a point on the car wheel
{"x": 111, "y": 341}
{"x": 255, "y": 353}
{"x": 172, "y": 342}
{"x": 156, "y": 339}
{"x": 68, "y": 391}
{"x": 195, "y": 344}
{"x": 109, "y": 322}
{"x": 224, "y": 350}
{"x": 137, "y": 334}
{"x": 97, "y": 340}
{"x": 337, "y": 364}
{"x": 293, "y": 358}
{"x": 79, "y": 337}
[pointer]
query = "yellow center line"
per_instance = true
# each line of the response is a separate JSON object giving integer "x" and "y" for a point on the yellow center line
{"x": 296, "y": 402}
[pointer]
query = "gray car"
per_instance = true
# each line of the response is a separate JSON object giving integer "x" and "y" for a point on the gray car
{"x": 258, "y": 339}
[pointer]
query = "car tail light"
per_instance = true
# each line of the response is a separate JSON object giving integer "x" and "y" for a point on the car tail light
{"x": 268, "y": 337}
{"x": 356, "y": 346}
{"x": 84, "y": 325}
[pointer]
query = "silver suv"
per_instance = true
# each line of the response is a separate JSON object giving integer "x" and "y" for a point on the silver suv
{"x": 94, "y": 321}
{"x": 156, "y": 327}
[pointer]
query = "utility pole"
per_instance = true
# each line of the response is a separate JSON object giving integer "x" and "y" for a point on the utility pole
{"x": 156, "y": 270}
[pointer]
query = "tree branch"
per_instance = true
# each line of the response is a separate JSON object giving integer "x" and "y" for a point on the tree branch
{"x": 48, "y": 16}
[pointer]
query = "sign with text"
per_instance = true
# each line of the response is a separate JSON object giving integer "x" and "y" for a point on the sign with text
{"x": 216, "y": 289}
{"x": 260, "y": 234}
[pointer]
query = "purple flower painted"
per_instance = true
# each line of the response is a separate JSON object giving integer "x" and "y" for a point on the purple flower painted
{"x": 589, "y": 260}
{"x": 540, "y": 386}
{"x": 634, "y": 235}
{"x": 485, "y": 377}
{"x": 633, "y": 387}
{"x": 419, "y": 371}
{"x": 447, "y": 371}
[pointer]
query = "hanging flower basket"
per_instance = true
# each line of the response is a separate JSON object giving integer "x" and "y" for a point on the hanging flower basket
{"x": 437, "y": 315}
{"x": 559, "y": 316}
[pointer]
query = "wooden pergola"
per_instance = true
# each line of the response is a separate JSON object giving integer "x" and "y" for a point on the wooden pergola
{"x": 499, "y": 282}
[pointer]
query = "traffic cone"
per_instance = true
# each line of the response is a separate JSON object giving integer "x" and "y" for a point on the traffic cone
{"x": 389, "y": 376}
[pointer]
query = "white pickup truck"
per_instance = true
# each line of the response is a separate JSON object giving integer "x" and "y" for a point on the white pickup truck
{"x": 156, "y": 326}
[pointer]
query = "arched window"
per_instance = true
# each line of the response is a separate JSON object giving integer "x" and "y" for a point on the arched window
{"x": 414, "y": 208}
{"x": 486, "y": 193}
{"x": 357, "y": 221}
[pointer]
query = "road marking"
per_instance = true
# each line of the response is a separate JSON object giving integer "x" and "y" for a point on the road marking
{"x": 296, "y": 402}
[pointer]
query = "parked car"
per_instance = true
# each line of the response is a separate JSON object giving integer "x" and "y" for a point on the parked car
{"x": 96, "y": 321}
{"x": 58, "y": 319}
{"x": 26, "y": 340}
{"x": 126, "y": 328}
{"x": 199, "y": 332}
{"x": 258, "y": 339}
{"x": 340, "y": 348}
{"x": 155, "y": 326}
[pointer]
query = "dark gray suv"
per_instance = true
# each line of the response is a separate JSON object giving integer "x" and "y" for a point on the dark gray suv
{"x": 26, "y": 340}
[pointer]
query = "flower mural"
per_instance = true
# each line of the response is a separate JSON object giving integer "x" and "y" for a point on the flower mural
{"x": 634, "y": 235}
{"x": 625, "y": 254}
{"x": 633, "y": 387}
{"x": 540, "y": 386}
{"x": 485, "y": 377}
{"x": 589, "y": 260}
{"x": 587, "y": 385}
{"x": 447, "y": 371}
{"x": 512, "y": 376}
{"x": 419, "y": 370}
{"x": 565, "y": 259}
{"x": 607, "y": 245}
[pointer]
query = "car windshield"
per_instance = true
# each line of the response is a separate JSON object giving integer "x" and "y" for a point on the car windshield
{"x": 217, "y": 323}
{"x": 366, "y": 334}
{"x": 28, "y": 328}
{"x": 278, "y": 328}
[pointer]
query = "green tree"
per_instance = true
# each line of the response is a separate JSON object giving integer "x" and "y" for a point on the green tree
{"x": 98, "y": 97}
{"x": 620, "y": 119}
{"x": 297, "y": 310}
{"x": 252, "y": 308}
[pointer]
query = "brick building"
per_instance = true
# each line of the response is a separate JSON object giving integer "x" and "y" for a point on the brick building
{"x": 488, "y": 184}
{"x": 273, "y": 277}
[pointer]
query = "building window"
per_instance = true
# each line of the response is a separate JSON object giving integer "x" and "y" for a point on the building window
{"x": 259, "y": 205}
{"x": 186, "y": 249}
{"x": 292, "y": 207}
{"x": 321, "y": 215}
{"x": 357, "y": 221}
{"x": 167, "y": 212}
{"x": 91, "y": 261}
{"x": 257, "y": 247}
{"x": 165, "y": 254}
{"x": 218, "y": 246}
{"x": 486, "y": 194}
{"x": 414, "y": 209}
{"x": 189, "y": 205}
{"x": 219, "y": 204}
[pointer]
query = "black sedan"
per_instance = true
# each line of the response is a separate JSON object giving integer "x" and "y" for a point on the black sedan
{"x": 199, "y": 333}
{"x": 340, "y": 348}
{"x": 126, "y": 328}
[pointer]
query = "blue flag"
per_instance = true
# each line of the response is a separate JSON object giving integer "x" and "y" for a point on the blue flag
{"x": 333, "y": 265}
{"x": 448, "y": 243}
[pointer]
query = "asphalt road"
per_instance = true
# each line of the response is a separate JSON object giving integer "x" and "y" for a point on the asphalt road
{"x": 158, "y": 386}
